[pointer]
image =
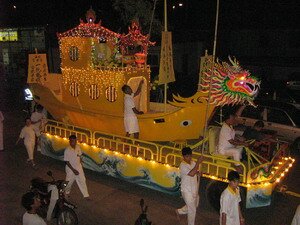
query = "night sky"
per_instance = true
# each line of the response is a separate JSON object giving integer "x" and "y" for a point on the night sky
{"x": 195, "y": 14}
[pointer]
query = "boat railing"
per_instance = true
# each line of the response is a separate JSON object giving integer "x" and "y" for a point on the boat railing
{"x": 125, "y": 144}
{"x": 212, "y": 166}
{"x": 122, "y": 68}
{"x": 65, "y": 130}
{"x": 134, "y": 149}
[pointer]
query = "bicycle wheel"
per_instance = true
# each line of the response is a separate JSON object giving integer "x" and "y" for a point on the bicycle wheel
{"x": 67, "y": 216}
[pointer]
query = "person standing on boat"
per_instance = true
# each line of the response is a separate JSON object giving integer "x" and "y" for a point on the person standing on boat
{"x": 189, "y": 171}
{"x": 74, "y": 170}
{"x": 130, "y": 119}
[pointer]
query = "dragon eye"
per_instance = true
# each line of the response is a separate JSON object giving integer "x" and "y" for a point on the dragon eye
{"x": 186, "y": 123}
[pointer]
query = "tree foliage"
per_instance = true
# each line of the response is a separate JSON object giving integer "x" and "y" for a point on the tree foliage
{"x": 140, "y": 10}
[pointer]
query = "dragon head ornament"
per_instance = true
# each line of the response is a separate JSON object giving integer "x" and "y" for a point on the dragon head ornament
{"x": 230, "y": 84}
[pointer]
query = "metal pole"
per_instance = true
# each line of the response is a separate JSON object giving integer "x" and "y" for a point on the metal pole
{"x": 212, "y": 69}
{"x": 166, "y": 29}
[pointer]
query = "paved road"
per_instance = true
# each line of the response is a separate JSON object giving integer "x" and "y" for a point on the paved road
{"x": 115, "y": 202}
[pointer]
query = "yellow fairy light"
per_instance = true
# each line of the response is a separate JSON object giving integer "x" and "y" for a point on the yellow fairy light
{"x": 282, "y": 175}
{"x": 290, "y": 165}
{"x": 277, "y": 180}
{"x": 286, "y": 170}
{"x": 140, "y": 158}
{"x": 279, "y": 163}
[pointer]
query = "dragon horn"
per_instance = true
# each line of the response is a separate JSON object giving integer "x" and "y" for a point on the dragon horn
{"x": 234, "y": 62}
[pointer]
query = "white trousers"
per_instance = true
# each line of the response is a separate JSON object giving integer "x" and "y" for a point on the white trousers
{"x": 30, "y": 148}
{"x": 296, "y": 219}
{"x": 190, "y": 208}
{"x": 131, "y": 125}
{"x": 236, "y": 153}
{"x": 80, "y": 180}
{"x": 53, "y": 199}
{"x": 1, "y": 135}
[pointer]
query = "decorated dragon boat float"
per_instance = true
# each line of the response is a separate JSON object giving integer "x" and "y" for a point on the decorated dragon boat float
{"x": 86, "y": 100}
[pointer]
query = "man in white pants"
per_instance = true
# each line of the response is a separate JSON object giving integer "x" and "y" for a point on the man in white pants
{"x": 130, "y": 111}
{"x": 228, "y": 143}
{"x": 1, "y": 131}
{"x": 74, "y": 170}
{"x": 189, "y": 185}
{"x": 28, "y": 134}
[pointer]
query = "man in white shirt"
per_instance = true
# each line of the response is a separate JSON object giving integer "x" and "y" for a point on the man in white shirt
{"x": 74, "y": 170}
{"x": 189, "y": 171}
{"x": 230, "y": 211}
{"x": 28, "y": 134}
{"x": 228, "y": 144}
{"x": 31, "y": 203}
{"x": 130, "y": 111}
{"x": 38, "y": 120}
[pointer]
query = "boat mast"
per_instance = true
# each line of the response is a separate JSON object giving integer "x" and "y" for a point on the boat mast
{"x": 212, "y": 69}
{"x": 166, "y": 29}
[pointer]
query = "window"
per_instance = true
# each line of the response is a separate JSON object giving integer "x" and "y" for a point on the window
{"x": 94, "y": 91}
{"x": 74, "y": 53}
{"x": 253, "y": 113}
{"x": 74, "y": 89}
{"x": 278, "y": 116}
{"x": 111, "y": 94}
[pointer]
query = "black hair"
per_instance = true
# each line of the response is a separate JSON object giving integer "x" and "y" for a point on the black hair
{"x": 72, "y": 137}
{"x": 233, "y": 175}
{"x": 124, "y": 87}
{"x": 259, "y": 123}
{"x": 227, "y": 115}
{"x": 39, "y": 108}
{"x": 28, "y": 200}
{"x": 186, "y": 151}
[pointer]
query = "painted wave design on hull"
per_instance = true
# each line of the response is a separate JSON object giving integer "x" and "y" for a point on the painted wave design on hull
{"x": 257, "y": 199}
{"x": 112, "y": 166}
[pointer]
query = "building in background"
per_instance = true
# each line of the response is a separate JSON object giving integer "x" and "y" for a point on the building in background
{"x": 15, "y": 44}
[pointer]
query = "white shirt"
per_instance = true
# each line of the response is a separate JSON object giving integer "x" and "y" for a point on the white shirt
{"x": 227, "y": 133}
{"x": 73, "y": 157}
{"x": 129, "y": 105}
{"x": 32, "y": 219}
{"x": 188, "y": 183}
{"x": 296, "y": 219}
{"x": 36, "y": 116}
{"x": 230, "y": 206}
{"x": 28, "y": 134}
